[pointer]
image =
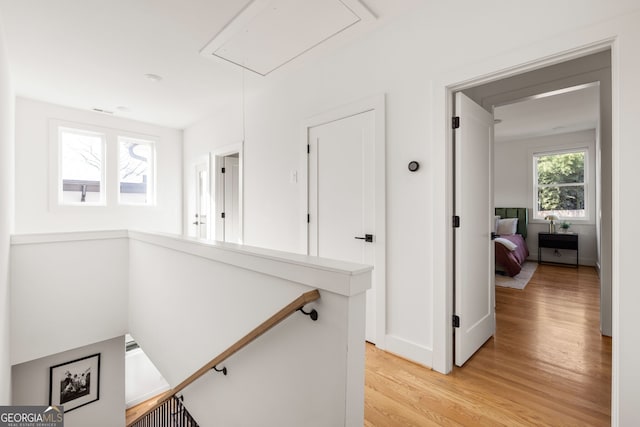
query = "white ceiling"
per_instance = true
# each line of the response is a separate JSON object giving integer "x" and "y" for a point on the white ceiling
{"x": 94, "y": 54}
{"x": 568, "y": 111}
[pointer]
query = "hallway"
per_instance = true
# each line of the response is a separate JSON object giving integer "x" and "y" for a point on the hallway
{"x": 547, "y": 365}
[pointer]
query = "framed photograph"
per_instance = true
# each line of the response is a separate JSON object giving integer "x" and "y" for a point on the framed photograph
{"x": 76, "y": 383}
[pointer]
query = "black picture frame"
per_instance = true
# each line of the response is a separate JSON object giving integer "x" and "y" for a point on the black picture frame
{"x": 76, "y": 383}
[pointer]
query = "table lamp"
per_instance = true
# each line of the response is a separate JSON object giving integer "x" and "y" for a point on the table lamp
{"x": 552, "y": 219}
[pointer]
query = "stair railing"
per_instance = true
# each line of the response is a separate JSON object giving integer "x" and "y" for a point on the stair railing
{"x": 171, "y": 413}
{"x": 296, "y": 305}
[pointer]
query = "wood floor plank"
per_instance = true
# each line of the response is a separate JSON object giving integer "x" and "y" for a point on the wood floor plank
{"x": 547, "y": 365}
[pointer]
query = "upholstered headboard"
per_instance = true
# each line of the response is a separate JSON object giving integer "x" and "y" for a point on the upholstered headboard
{"x": 521, "y": 213}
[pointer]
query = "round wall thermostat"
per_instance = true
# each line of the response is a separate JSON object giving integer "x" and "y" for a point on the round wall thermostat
{"x": 414, "y": 166}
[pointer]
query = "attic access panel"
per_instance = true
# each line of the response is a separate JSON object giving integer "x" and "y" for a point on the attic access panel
{"x": 269, "y": 33}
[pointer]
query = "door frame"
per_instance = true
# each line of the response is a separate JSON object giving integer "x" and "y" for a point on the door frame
{"x": 191, "y": 189}
{"x": 205, "y": 165}
{"x": 374, "y": 103}
{"x": 218, "y": 156}
{"x": 444, "y": 89}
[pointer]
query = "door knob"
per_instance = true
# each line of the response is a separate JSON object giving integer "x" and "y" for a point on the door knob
{"x": 366, "y": 238}
{"x": 494, "y": 236}
{"x": 196, "y": 223}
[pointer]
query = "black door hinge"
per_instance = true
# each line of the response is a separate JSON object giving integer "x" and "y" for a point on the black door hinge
{"x": 456, "y": 221}
{"x": 308, "y": 218}
{"x": 222, "y": 214}
{"x": 308, "y": 148}
{"x": 456, "y": 321}
{"x": 455, "y": 122}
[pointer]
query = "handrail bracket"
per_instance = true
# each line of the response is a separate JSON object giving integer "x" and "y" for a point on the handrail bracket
{"x": 223, "y": 370}
{"x": 313, "y": 313}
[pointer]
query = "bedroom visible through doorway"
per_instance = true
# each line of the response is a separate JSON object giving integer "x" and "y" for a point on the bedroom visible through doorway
{"x": 580, "y": 79}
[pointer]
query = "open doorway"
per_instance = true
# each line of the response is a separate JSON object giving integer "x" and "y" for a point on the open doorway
{"x": 571, "y": 85}
{"x": 228, "y": 200}
{"x": 199, "y": 226}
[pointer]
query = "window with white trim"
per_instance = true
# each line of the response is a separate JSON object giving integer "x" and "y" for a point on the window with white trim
{"x": 135, "y": 171}
{"x": 81, "y": 177}
{"x": 98, "y": 166}
{"x": 560, "y": 184}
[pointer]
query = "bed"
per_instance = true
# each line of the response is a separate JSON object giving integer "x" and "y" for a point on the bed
{"x": 510, "y": 246}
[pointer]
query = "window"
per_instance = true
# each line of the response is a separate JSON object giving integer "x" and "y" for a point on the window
{"x": 135, "y": 171}
{"x": 560, "y": 184}
{"x": 99, "y": 166}
{"x": 81, "y": 177}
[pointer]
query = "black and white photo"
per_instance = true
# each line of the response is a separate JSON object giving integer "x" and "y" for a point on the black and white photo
{"x": 76, "y": 383}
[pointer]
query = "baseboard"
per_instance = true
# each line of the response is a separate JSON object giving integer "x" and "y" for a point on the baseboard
{"x": 409, "y": 350}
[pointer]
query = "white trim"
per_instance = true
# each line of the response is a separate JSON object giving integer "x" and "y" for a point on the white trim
{"x": 340, "y": 277}
{"x": 203, "y": 164}
{"x": 151, "y": 184}
{"x": 343, "y": 278}
{"x": 240, "y": 22}
{"x": 531, "y": 58}
{"x": 377, "y": 104}
{"x": 588, "y": 182}
{"x": 34, "y": 239}
{"x": 110, "y": 175}
{"x": 217, "y": 183}
{"x": 56, "y": 127}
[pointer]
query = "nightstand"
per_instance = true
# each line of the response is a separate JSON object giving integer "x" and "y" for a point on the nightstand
{"x": 557, "y": 241}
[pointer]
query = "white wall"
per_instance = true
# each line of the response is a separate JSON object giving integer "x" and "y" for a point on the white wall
{"x": 67, "y": 294}
{"x": 400, "y": 60}
{"x": 142, "y": 379}
{"x": 34, "y": 214}
{"x": 513, "y": 188}
{"x": 31, "y": 384}
{"x": 412, "y": 60}
{"x": 7, "y": 217}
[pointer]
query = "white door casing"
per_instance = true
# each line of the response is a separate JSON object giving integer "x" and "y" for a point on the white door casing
{"x": 219, "y": 158}
{"x": 474, "y": 249}
{"x": 341, "y": 195}
{"x": 199, "y": 226}
{"x": 376, "y": 104}
{"x": 231, "y": 199}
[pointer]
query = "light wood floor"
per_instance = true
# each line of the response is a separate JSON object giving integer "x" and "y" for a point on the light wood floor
{"x": 547, "y": 365}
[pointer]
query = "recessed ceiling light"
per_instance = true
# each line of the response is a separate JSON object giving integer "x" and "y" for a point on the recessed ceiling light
{"x": 153, "y": 77}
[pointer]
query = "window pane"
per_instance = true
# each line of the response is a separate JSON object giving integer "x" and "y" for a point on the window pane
{"x": 81, "y": 158}
{"x": 561, "y": 198}
{"x": 561, "y": 184}
{"x": 135, "y": 171}
{"x": 566, "y": 168}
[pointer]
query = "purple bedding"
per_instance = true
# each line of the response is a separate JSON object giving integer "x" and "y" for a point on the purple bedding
{"x": 511, "y": 261}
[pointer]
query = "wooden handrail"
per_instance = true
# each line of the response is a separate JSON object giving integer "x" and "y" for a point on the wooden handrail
{"x": 285, "y": 312}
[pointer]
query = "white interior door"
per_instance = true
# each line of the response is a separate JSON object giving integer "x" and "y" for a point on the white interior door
{"x": 203, "y": 201}
{"x": 231, "y": 199}
{"x": 474, "y": 250}
{"x": 342, "y": 195}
